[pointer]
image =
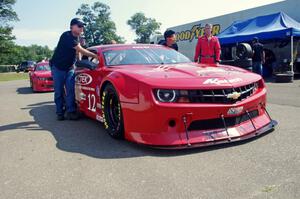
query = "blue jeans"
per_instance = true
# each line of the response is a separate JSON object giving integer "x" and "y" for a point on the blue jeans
{"x": 257, "y": 68}
{"x": 64, "y": 90}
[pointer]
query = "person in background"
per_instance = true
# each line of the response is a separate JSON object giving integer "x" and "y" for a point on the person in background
{"x": 208, "y": 49}
{"x": 170, "y": 40}
{"x": 258, "y": 58}
{"x": 62, "y": 67}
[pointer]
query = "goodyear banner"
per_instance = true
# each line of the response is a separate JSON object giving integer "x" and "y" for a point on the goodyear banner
{"x": 195, "y": 32}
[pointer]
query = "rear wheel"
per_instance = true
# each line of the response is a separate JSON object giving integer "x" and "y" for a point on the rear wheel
{"x": 112, "y": 114}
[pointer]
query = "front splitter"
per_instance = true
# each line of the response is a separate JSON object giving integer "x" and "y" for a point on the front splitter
{"x": 265, "y": 129}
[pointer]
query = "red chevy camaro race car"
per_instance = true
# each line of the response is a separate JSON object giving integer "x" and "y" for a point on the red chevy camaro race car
{"x": 41, "y": 78}
{"x": 153, "y": 95}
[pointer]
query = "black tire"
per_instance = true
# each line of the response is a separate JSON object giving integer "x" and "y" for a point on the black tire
{"x": 284, "y": 78}
{"x": 244, "y": 51}
{"x": 243, "y": 63}
{"x": 112, "y": 113}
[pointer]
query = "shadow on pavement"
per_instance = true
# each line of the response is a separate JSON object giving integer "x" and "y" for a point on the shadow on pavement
{"x": 88, "y": 137}
{"x": 24, "y": 90}
{"x": 28, "y": 90}
{"x": 22, "y": 125}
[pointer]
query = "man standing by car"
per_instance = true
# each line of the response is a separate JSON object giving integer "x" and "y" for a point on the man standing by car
{"x": 208, "y": 49}
{"x": 170, "y": 40}
{"x": 62, "y": 67}
{"x": 258, "y": 56}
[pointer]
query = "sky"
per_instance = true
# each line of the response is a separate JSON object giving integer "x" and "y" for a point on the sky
{"x": 43, "y": 21}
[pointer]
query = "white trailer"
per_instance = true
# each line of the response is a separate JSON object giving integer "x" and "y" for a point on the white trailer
{"x": 187, "y": 34}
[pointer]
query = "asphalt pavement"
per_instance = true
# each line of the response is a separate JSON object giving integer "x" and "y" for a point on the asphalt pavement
{"x": 43, "y": 158}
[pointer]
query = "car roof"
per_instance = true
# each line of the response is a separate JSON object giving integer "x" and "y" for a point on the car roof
{"x": 124, "y": 46}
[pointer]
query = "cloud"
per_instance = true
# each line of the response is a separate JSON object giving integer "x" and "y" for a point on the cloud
{"x": 33, "y": 36}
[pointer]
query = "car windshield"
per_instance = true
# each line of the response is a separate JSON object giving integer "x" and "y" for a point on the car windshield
{"x": 143, "y": 55}
{"x": 43, "y": 68}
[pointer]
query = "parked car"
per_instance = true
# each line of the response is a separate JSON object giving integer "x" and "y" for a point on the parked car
{"x": 41, "y": 78}
{"x": 153, "y": 95}
{"x": 26, "y": 66}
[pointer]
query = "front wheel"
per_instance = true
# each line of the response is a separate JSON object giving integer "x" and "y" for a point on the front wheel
{"x": 112, "y": 114}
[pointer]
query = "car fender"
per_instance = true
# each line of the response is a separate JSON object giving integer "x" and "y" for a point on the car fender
{"x": 126, "y": 87}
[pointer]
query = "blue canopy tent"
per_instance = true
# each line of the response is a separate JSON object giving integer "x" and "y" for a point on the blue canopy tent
{"x": 278, "y": 25}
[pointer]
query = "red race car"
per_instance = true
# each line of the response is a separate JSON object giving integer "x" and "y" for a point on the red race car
{"x": 153, "y": 95}
{"x": 41, "y": 78}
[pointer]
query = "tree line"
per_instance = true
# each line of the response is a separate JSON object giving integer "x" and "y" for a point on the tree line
{"x": 100, "y": 29}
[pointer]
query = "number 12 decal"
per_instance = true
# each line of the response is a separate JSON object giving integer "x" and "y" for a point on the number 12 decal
{"x": 92, "y": 102}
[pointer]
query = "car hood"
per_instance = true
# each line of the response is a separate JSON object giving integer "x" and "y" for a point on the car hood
{"x": 43, "y": 73}
{"x": 190, "y": 75}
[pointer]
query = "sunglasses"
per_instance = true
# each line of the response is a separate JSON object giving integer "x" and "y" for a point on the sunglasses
{"x": 80, "y": 26}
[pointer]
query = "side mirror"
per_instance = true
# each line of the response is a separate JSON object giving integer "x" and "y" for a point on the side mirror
{"x": 31, "y": 69}
{"x": 86, "y": 64}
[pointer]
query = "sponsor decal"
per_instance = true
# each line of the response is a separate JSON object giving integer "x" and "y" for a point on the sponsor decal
{"x": 97, "y": 90}
{"x": 221, "y": 81}
{"x": 99, "y": 106}
{"x": 82, "y": 96}
{"x": 195, "y": 32}
{"x": 235, "y": 110}
{"x": 99, "y": 118}
{"x": 233, "y": 132}
{"x": 83, "y": 79}
{"x": 86, "y": 88}
{"x": 209, "y": 70}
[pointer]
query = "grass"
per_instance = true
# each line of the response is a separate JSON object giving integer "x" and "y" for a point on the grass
{"x": 13, "y": 76}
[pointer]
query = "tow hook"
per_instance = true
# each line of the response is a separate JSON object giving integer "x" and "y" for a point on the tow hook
{"x": 184, "y": 119}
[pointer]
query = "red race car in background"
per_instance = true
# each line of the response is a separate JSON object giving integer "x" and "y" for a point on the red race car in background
{"x": 153, "y": 95}
{"x": 41, "y": 78}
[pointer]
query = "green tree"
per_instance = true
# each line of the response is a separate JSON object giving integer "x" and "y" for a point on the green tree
{"x": 7, "y": 15}
{"x": 100, "y": 29}
{"x": 10, "y": 53}
{"x": 144, "y": 27}
{"x": 18, "y": 54}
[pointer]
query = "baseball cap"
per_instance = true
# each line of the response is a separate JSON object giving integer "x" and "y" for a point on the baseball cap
{"x": 77, "y": 21}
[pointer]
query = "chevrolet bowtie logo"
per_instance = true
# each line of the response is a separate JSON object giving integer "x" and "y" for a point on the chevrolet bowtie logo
{"x": 235, "y": 95}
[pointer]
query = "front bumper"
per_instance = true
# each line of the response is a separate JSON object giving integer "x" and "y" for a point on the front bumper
{"x": 43, "y": 86}
{"x": 168, "y": 125}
